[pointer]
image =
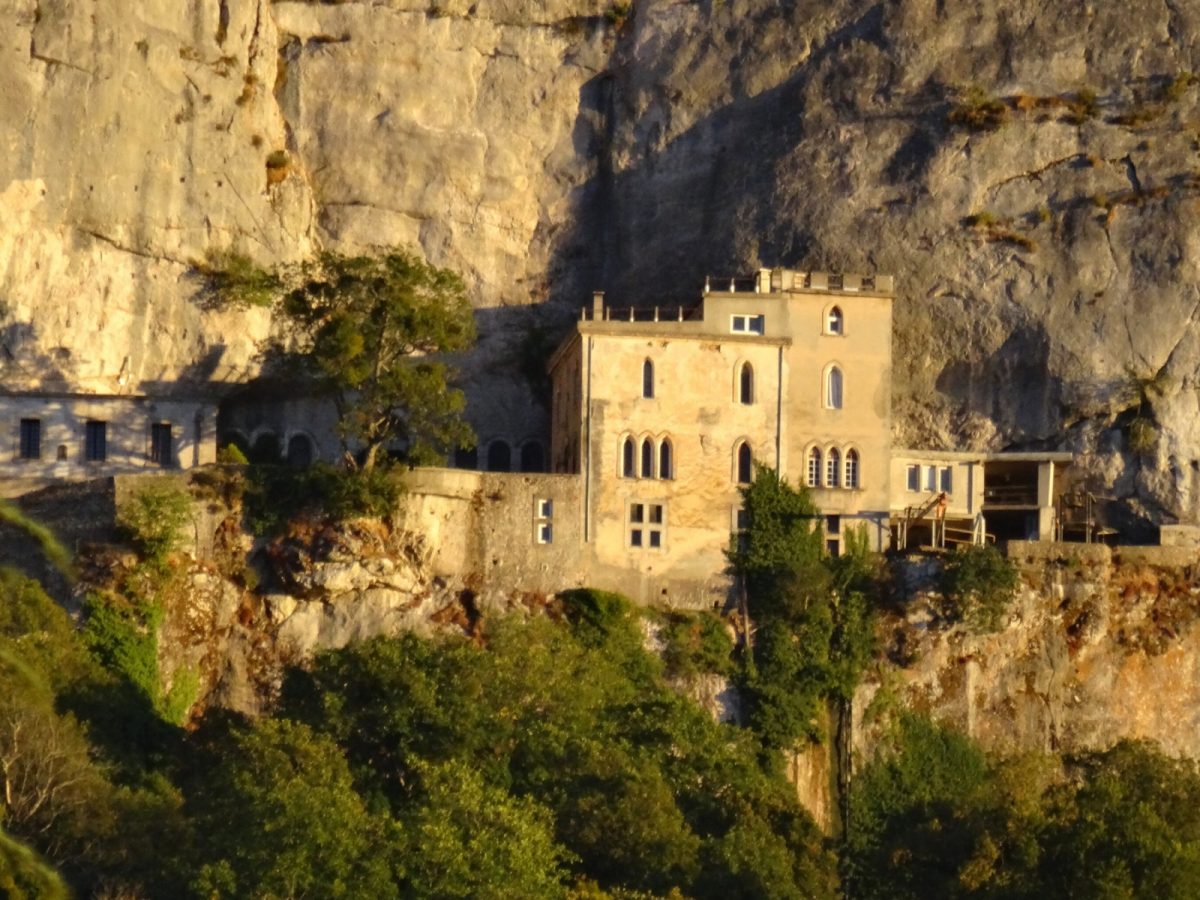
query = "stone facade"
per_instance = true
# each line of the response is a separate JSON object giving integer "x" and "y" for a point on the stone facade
{"x": 47, "y": 436}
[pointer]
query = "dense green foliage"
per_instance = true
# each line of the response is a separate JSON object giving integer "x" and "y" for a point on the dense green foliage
{"x": 155, "y": 518}
{"x": 978, "y": 584}
{"x": 933, "y": 816}
{"x": 276, "y": 495}
{"x": 815, "y": 632}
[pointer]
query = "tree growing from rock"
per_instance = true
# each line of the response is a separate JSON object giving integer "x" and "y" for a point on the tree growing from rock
{"x": 367, "y": 330}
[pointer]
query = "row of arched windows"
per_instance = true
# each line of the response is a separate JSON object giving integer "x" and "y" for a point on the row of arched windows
{"x": 499, "y": 457}
{"x": 832, "y": 469}
{"x": 649, "y": 458}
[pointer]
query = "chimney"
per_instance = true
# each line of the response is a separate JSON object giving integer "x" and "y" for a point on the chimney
{"x": 597, "y": 305}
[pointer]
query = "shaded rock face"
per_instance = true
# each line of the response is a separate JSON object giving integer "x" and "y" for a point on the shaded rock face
{"x": 544, "y": 153}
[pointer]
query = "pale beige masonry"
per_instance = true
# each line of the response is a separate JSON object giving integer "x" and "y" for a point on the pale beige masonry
{"x": 661, "y": 410}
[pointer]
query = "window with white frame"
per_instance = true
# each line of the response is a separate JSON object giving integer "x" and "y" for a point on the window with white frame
{"x": 543, "y": 520}
{"x": 851, "y": 479}
{"x": 946, "y": 480}
{"x": 814, "y": 467}
{"x": 914, "y": 478}
{"x": 931, "y": 478}
{"x": 833, "y": 388}
{"x": 833, "y": 468}
{"x": 747, "y": 324}
{"x": 833, "y": 321}
{"x": 647, "y": 525}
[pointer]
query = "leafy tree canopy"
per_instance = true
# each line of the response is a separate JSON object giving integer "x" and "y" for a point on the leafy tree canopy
{"x": 368, "y": 329}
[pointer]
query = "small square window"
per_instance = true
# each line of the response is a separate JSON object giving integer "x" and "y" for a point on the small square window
{"x": 636, "y": 513}
{"x": 635, "y": 537}
{"x": 546, "y": 509}
{"x": 655, "y": 538}
{"x": 545, "y": 533}
{"x": 656, "y": 514}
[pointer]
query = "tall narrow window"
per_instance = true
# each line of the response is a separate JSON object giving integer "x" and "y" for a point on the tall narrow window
{"x": 647, "y": 458}
{"x": 499, "y": 457}
{"x": 628, "y": 469}
{"x": 648, "y": 380}
{"x": 833, "y": 468}
{"x": 946, "y": 480}
{"x": 851, "y": 480}
{"x": 814, "y": 467}
{"x": 745, "y": 463}
{"x": 746, "y": 384}
{"x": 95, "y": 441}
{"x": 833, "y": 388}
{"x": 162, "y": 447}
{"x": 914, "y": 478}
{"x": 666, "y": 462}
{"x": 31, "y": 439}
{"x": 833, "y": 321}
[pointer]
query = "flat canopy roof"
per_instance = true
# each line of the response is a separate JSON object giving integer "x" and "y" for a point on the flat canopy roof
{"x": 1062, "y": 456}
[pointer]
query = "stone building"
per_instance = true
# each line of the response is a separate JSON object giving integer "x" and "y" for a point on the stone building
{"x": 47, "y": 436}
{"x": 664, "y": 412}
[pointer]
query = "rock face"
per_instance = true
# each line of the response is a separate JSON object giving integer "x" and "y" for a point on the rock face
{"x": 1101, "y": 645}
{"x": 545, "y": 151}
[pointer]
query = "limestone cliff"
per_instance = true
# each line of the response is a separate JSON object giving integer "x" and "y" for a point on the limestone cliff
{"x": 546, "y": 149}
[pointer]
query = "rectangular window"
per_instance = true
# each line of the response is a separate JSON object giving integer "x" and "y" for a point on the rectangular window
{"x": 647, "y": 524}
{"x": 31, "y": 439}
{"x": 914, "y": 478}
{"x": 833, "y": 524}
{"x": 947, "y": 483}
{"x": 162, "y": 447}
{"x": 95, "y": 441}
{"x": 831, "y": 546}
{"x": 543, "y": 521}
{"x": 747, "y": 324}
{"x": 931, "y": 478}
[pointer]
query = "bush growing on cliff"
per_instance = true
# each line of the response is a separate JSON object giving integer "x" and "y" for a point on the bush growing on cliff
{"x": 155, "y": 518}
{"x": 978, "y": 584}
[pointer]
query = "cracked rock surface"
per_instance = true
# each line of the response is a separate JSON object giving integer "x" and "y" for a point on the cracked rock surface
{"x": 1041, "y": 225}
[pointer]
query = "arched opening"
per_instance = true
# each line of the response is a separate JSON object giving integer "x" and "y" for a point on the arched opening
{"x": 834, "y": 324}
{"x": 814, "y": 467}
{"x": 234, "y": 438}
{"x": 745, "y": 463}
{"x": 647, "y": 458}
{"x": 833, "y": 388}
{"x": 851, "y": 480}
{"x": 300, "y": 451}
{"x": 466, "y": 458}
{"x": 499, "y": 457}
{"x": 746, "y": 384}
{"x": 266, "y": 449}
{"x": 628, "y": 466}
{"x": 666, "y": 462}
{"x": 532, "y": 458}
{"x": 833, "y": 468}
{"x": 648, "y": 380}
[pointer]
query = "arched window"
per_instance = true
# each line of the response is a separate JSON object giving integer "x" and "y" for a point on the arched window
{"x": 532, "y": 458}
{"x": 300, "y": 451}
{"x": 666, "y": 464}
{"x": 833, "y": 388}
{"x": 851, "y": 480}
{"x": 647, "y": 458}
{"x": 745, "y": 463}
{"x": 833, "y": 321}
{"x": 833, "y": 468}
{"x": 814, "y": 467}
{"x": 648, "y": 380}
{"x": 628, "y": 468}
{"x": 746, "y": 384}
{"x": 499, "y": 457}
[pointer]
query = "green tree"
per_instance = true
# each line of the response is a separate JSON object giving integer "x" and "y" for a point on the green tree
{"x": 366, "y": 329}
{"x": 282, "y": 819}
{"x": 979, "y": 584}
